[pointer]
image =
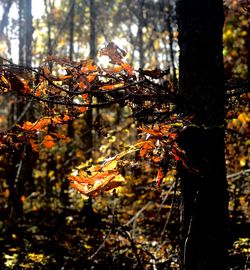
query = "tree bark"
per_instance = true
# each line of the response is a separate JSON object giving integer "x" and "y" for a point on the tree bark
{"x": 203, "y": 181}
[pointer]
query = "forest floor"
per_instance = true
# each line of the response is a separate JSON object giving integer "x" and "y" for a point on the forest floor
{"x": 124, "y": 237}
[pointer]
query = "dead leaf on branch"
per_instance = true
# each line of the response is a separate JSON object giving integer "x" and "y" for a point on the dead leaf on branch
{"x": 115, "y": 53}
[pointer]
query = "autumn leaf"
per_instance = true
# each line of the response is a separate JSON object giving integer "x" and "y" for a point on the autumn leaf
{"x": 115, "y": 53}
{"x": 160, "y": 176}
{"x": 38, "y": 92}
{"x": 111, "y": 165}
{"x": 146, "y": 147}
{"x": 91, "y": 77}
{"x": 64, "y": 77}
{"x": 88, "y": 66}
{"x": 103, "y": 182}
{"x": 85, "y": 96}
{"x": 82, "y": 109}
{"x": 27, "y": 125}
{"x": 46, "y": 71}
{"x": 34, "y": 145}
{"x": 156, "y": 159}
{"x": 111, "y": 86}
{"x": 82, "y": 85}
{"x": 128, "y": 68}
{"x": 48, "y": 142}
{"x": 99, "y": 178}
{"x": 66, "y": 118}
{"x": 116, "y": 69}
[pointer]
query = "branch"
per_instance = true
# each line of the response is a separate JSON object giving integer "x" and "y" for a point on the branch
{"x": 237, "y": 89}
{"x": 91, "y": 105}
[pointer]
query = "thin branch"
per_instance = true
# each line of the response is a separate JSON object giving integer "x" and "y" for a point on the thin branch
{"x": 101, "y": 246}
{"x": 238, "y": 174}
{"x": 137, "y": 214}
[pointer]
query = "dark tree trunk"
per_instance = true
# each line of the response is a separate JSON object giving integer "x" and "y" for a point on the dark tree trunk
{"x": 28, "y": 32}
{"x": 21, "y": 6}
{"x": 204, "y": 186}
{"x": 70, "y": 130}
{"x": 140, "y": 33}
{"x": 71, "y": 28}
{"x": 19, "y": 173}
{"x": 4, "y": 21}
{"x": 87, "y": 210}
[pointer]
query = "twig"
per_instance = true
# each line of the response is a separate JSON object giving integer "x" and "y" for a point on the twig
{"x": 137, "y": 214}
{"x": 21, "y": 116}
{"x": 101, "y": 246}
{"x": 238, "y": 174}
{"x": 170, "y": 212}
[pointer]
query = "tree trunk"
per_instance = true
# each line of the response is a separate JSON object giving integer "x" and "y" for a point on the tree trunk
{"x": 70, "y": 130}
{"x": 4, "y": 22}
{"x": 140, "y": 33}
{"x": 203, "y": 181}
{"x": 19, "y": 173}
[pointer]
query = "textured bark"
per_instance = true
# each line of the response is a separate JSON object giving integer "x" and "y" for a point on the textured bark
{"x": 204, "y": 187}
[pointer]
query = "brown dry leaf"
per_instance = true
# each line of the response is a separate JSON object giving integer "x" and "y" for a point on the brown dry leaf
{"x": 115, "y": 53}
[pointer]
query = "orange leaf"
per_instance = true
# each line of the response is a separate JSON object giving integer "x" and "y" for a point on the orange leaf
{"x": 82, "y": 85}
{"x": 38, "y": 92}
{"x": 148, "y": 145}
{"x": 116, "y": 69}
{"x": 64, "y": 77}
{"x": 42, "y": 123}
{"x": 48, "y": 142}
{"x": 34, "y": 146}
{"x": 91, "y": 67}
{"x": 128, "y": 68}
{"x": 82, "y": 109}
{"x": 156, "y": 159}
{"x": 111, "y": 86}
{"x": 91, "y": 77}
{"x": 26, "y": 89}
{"x": 27, "y": 125}
{"x": 66, "y": 118}
{"x": 85, "y": 96}
{"x": 160, "y": 176}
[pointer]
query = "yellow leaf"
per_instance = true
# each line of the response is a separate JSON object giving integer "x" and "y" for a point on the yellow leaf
{"x": 111, "y": 165}
{"x": 243, "y": 118}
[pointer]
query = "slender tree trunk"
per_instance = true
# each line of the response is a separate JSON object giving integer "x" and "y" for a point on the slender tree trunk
{"x": 70, "y": 130}
{"x": 71, "y": 28}
{"x": 88, "y": 135}
{"x": 21, "y": 5}
{"x": 4, "y": 21}
{"x": 140, "y": 33}
{"x": 168, "y": 21}
{"x": 28, "y": 29}
{"x": 19, "y": 175}
{"x": 204, "y": 187}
